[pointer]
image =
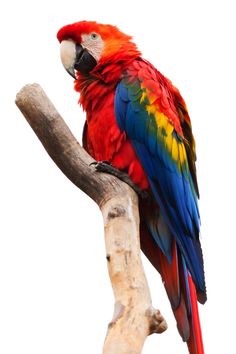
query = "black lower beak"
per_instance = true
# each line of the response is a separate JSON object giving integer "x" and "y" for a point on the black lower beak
{"x": 84, "y": 61}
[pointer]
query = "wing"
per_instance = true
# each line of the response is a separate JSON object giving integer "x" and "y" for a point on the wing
{"x": 155, "y": 119}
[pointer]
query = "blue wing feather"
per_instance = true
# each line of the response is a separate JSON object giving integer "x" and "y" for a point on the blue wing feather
{"x": 172, "y": 187}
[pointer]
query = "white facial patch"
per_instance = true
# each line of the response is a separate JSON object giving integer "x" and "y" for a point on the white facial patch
{"x": 93, "y": 43}
{"x": 68, "y": 53}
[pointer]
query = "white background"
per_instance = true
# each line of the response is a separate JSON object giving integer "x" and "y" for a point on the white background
{"x": 55, "y": 296}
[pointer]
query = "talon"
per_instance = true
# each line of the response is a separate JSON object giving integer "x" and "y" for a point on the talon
{"x": 106, "y": 167}
{"x": 100, "y": 163}
{"x": 93, "y": 163}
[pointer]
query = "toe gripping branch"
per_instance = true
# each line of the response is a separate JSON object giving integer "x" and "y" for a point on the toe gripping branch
{"x": 106, "y": 167}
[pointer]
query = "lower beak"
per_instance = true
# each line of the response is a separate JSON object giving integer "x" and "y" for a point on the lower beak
{"x": 84, "y": 61}
{"x": 75, "y": 57}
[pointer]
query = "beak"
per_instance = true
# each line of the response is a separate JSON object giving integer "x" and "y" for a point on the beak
{"x": 71, "y": 71}
{"x": 75, "y": 57}
{"x": 68, "y": 56}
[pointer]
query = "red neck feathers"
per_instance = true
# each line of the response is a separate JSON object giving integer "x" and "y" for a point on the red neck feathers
{"x": 102, "y": 79}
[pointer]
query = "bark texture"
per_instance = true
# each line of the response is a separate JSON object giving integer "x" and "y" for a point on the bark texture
{"x": 134, "y": 317}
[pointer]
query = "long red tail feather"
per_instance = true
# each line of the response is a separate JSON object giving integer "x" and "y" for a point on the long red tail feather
{"x": 182, "y": 296}
{"x": 195, "y": 343}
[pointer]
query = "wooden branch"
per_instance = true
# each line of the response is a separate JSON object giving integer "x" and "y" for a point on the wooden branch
{"x": 134, "y": 317}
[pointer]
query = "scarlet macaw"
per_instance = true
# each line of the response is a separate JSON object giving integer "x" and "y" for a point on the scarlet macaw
{"x": 138, "y": 122}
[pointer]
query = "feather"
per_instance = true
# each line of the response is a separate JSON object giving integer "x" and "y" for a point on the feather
{"x": 138, "y": 121}
{"x": 154, "y": 136}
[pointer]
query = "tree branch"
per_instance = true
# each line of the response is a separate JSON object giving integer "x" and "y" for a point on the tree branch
{"x": 134, "y": 317}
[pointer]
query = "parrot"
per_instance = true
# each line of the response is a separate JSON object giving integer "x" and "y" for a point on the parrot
{"x": 137, "y": 123}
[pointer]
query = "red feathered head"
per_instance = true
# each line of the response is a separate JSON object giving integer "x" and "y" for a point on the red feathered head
{"x": 86, "y": 45}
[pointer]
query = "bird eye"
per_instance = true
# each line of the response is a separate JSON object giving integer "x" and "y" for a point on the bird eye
{"x": 93, "y": 35}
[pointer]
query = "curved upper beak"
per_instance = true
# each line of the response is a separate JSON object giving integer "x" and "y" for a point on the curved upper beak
{"x": 68, "y": 56}
{"x": 71, "y": 71}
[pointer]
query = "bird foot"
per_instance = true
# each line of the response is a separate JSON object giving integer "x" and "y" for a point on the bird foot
{"x": 106, "y": 167}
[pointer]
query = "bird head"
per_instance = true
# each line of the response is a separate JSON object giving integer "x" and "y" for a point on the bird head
{"x": 86, "y": 46}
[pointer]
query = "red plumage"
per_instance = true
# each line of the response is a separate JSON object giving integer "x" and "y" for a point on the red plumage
{"x": 105, "y": 141}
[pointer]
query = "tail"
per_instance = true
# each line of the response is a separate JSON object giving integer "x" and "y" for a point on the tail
{"x": 195, "y": 343}
{"x": 180, "y": 289}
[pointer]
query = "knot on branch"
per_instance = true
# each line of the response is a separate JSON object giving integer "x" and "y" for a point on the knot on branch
{"x": 116, "y": 212}
{"x": 157, "y": 323}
